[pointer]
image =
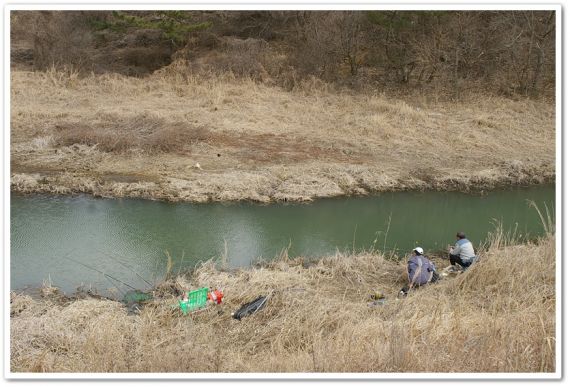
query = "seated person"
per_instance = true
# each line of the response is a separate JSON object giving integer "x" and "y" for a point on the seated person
{"x": 462, "y": 253}
{"x": 420, "y": 271}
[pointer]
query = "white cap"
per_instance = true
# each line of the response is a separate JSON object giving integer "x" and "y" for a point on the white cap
{"x": 419, "y": 250}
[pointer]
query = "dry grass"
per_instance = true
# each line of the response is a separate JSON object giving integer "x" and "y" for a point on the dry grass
{"x": 175, "y": 119}
{"x": 113, "y": 133}
{"x": 499, "y": 316}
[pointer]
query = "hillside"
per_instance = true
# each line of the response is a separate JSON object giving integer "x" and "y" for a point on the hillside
{"x": 278, "y": 106}
{"x": 175, "y": 137}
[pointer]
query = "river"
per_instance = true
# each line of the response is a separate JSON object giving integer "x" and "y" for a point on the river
{"x": 72, "y": 240}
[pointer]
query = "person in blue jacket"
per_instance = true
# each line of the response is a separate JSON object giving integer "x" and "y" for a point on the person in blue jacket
{"x": 462, "y": 253}
{"x": 420, "y": 271}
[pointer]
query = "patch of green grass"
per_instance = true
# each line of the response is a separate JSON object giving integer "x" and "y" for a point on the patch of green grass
{"x": 175, "y": 25}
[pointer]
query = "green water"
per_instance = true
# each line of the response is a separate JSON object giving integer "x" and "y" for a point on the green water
{"x": 127, "y": 239}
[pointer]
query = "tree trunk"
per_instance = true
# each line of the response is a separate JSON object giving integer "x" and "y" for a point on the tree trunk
{"x": 537, "y": 70}
{"x": 456, "y": 73}
{"x": 529, "y": 54}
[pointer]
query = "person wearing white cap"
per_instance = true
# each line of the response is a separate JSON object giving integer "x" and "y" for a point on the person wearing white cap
{"x": 420, "y": 271}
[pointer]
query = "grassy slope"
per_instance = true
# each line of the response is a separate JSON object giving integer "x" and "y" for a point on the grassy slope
{"x": 499, "y": 316}
{"x": 258, "y": 142}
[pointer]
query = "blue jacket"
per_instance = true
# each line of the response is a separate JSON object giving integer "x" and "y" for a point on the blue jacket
{"x": 420, "y": 270}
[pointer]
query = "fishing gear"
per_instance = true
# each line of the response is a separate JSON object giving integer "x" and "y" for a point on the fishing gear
{"x": 99, "y": 271}
{"x": 125, "y": 265}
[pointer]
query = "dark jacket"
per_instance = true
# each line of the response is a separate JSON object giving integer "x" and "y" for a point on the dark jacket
{"x": 420, "y": 270}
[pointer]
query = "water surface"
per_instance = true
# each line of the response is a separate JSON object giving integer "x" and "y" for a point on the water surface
{"x": 128, "y": 239}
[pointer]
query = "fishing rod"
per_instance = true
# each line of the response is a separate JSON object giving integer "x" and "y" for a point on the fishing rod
{"x": 99, "y": 271}
{"x": 115, "y": 259}
{"x": 115, "y": 285}
{"x": 105, "y": 275}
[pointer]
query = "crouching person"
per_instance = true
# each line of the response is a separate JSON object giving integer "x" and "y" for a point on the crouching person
{"x": 462, "y": 253}
{"x": 420, "y": 271}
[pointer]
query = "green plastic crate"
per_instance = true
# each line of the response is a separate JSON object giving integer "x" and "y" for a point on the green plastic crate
{"x": 196, "y": 299}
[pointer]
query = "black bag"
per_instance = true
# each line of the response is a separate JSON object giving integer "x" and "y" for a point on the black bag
{"x": 250, "y": 307}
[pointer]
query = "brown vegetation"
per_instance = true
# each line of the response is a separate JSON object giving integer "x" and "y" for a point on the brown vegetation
{"x": 446, "y": 53}
{"x": 262, "y": 143}
{"x": 269, "y": 106}
{"x": 114, "y": 133}
{"x": 499, "y": 316}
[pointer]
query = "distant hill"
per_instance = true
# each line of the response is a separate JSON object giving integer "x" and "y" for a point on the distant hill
{"x": 511, "y": 53}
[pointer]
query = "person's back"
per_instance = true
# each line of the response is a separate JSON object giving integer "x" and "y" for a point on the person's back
{"x": 420, "y": 270}
{"x": 464, "y": 248}
{"x": 463, "y": 252}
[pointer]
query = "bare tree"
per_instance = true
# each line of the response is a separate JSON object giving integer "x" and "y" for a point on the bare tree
{"x": 327, "y": 40}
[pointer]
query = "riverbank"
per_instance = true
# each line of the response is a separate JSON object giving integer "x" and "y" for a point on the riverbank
{"x": 177, "y": 137}
{"x": 499, "y": 316}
